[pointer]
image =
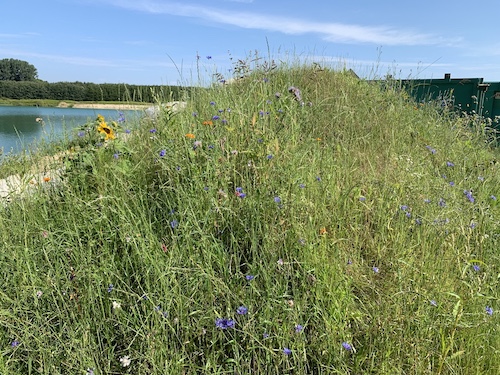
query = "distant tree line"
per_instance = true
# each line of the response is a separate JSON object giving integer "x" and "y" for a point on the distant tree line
{"x": 19, "y": 80}
{"x": 84, "y": 91}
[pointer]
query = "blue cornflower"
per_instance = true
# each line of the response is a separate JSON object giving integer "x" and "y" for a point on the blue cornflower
{"x": 249, "y": 277}
{"x": 299, "y": 328}
{"x": 110, "y": 288}
{"x": 269, "y": 156}
{"x": 277, "y": 199}
{"x": 347, "y": 346}
{"x": 408, "y": 214}
{"x": 433, "y": 303}
{"x": 450, "y": 164}
{"x": 476, "y": 268}
{"x": 441, "y": 202}
{"x": 375, "y": 269}
{"x": 128, "y": 131}
{"x": 452, "y": 183}
{"x": 215, "y": 118}
{"x": 212, "y": 103}
{"x": 403, "y": 207}
{"x": 121, "y": 117}
{"x": 287, "y": 351}
{"x": 302, "y": 186}
{"x": 318, "y": 178}
{"x": 418, "y": 221}
{"x": 162, "y": 153}
{"x": 433, "y": 151}
{"x": 81, "y": 134}
{"x": 493, "y": 197}
{"x": 265, "y": 335}
{"x": 152, "y": 131}
{"x": 14, "y": 343}
{"x": 468, "y": 194}
{"x": 116, "y": 156}
{"x": 489, "y": 310}
{"x": 362, "y": 199}
{"x": 195, "y": 114}
{"x": 174, "y": 224}
{"x": 242, "y": 310}
{"x": 224, "y": 323}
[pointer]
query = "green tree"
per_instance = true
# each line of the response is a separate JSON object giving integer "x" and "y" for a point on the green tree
{"x": 17, "y": 70}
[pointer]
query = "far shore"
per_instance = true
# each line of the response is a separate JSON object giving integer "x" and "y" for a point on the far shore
{"x": 108, "y": 106}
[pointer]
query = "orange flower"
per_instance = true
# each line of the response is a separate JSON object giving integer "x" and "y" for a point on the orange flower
{"x": 207, "y": 123}
{"x": 46, "y": 179}
{"x": 190, "y": 136}
{"x": 323, "y": 231}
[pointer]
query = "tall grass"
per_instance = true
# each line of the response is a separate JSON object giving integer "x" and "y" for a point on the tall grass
{"x": 342, "y": 231}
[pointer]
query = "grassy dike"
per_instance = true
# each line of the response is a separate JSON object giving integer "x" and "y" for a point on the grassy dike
{"x": 299, "y": 221}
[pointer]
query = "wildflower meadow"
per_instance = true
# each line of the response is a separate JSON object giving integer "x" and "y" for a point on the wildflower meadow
{"x": 296, "y": 220}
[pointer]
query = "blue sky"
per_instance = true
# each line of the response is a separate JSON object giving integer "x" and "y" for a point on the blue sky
{"x": 157, "y": 41}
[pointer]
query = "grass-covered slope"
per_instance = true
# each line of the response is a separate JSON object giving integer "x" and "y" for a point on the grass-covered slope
{"x": 334, "y": 230}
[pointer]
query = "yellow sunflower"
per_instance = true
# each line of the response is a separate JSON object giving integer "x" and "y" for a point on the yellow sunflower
{"x": 103, "y": 128}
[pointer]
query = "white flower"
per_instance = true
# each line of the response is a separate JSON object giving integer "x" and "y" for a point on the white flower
{"x": 116, "y": 305}
{"x": 125, "y": 361}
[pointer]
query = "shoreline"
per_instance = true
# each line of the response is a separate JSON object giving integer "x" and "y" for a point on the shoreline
{"x": 109, "y": 106}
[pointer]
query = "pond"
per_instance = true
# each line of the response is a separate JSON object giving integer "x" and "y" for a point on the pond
{"x": 21, "y": 126}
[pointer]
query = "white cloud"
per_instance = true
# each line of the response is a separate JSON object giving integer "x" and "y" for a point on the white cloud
{"x": 329, "y": 31}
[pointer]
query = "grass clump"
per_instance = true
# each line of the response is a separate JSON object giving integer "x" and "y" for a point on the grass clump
{"x": 296, "y": 221}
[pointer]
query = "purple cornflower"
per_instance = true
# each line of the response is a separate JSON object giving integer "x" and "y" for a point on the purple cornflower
{"x": 81, "y": 134}
{"x": 116, "y": 156}
{"x": 318, "y": 178}
{"x": 128, "y": 131}
{"x": 403, "y": 207}
{"x": 433, "y": 303}
{"x": 269, "y": 157}
{"x": 212, "y": 103}
{"x": 468, "y": 194}
{"x": 277, "y": 199}
{"x": 375, "y": 269}
{"x": 110, "y": 288}
{"x": 224, "y": 323}
{"x": 90, "y": 371}
{"x": 287, "y": 351}
{"x": 476, "y": 268}
{"x": 347, "y": 346}
{"x": 302, "y": 186}
{"x": 362, "y": 199}
{"x": 299, "y": 328}
{"x": 489, "y": 310}
{"x": 433, "y": 151}
{"x": 441, "y": 202}
{"x": 408, "y": 214}
{"x": 215, "y": 118}
{"x": 265, "y": 335}
{"x": 162, "y": 153}
{"x": 121, "y": 118}
{"x": 493, "y": 197}
{"x": 249, "y": 277}
{"x": 174, "y": 224}
{"x": 452, "y": 183}
{"x": 152, "y": 131}
{"x": 14, "y": 343}
{"x": 450, "y": 164}
{"x": 242, "y": 310}
{"x": 296, "y": 93}
{"x": 195, "y": 114}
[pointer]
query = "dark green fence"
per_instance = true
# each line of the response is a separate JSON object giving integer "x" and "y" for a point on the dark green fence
{"x": 471, "y": 95}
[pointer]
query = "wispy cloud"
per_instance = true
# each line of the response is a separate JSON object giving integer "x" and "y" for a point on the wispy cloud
{"x": 328, "y": 31}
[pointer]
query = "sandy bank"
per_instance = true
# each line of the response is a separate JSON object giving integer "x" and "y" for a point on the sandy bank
{"x": 111, "y": 106}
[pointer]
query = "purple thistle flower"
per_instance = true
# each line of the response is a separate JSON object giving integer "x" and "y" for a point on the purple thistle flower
{"x": 489, "y": 310}
{"x": 162, "y": 153}
{"x": 476, "y": 268}
{"x": 152, "y": 131}
{"x": 450, "y": 164}
{"x": 212, "y": 103}
{"x": 493, "y": 197}
{"x": 242, "y": 310}
{"x": 224, "y": 323}
{"x": 215, "y": 118}
{"x": 347, "y": 346}
{"x": 403, "y": 207}
{"x": 14, "y": 343}
{"x": 299, "y": 328}
{"x": 269, "y": 157}
{"x": 277, "y": 199}
{"x": 249, "y": 277}
{"x": 375, "y": 269}
{"x": 287, "y": 351}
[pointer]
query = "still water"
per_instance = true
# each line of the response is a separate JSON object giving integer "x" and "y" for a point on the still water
{"x": 21, "y": 126}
